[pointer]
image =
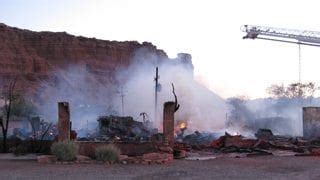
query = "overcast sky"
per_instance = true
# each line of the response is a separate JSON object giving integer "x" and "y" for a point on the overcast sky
{"x": 207, "y": 29}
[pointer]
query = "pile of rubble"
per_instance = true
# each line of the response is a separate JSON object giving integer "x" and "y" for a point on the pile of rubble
{"x": 266, "y": 143}
{"x": 119, "y": 128}
{"x": 198, "y": 138}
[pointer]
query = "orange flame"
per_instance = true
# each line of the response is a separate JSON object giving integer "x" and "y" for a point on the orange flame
{"x": 182, "y": 125}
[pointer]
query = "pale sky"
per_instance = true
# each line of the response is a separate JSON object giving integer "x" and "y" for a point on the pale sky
{"x": 207, "y": 29}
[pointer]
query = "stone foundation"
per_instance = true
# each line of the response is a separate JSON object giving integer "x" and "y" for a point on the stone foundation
{"x": 87, "y": 148}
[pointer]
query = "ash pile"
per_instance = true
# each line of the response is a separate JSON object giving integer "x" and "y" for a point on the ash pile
{"x": 125, "y": 129}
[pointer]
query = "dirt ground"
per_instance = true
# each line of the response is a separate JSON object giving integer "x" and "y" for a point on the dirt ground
{"x": 266, "y": 167}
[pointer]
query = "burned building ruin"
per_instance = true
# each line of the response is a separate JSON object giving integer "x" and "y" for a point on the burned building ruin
{"x": 122, "y": 128}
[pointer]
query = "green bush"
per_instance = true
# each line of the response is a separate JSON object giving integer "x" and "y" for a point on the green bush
{"x": 109, "y": 153}
{"x": 65, "y": 151}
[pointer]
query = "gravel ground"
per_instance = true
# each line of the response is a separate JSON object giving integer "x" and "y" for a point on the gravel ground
{"x": 266, "y": 167}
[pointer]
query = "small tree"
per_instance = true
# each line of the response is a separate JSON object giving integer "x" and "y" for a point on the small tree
{"x": 39, "y": 134}
{"x": 277, "y": 91}
{"x": 292, "y": 95}
{"x": 8, "y": 97}
{"x": 294, "y": 90}
{"x": 22, "y": 107}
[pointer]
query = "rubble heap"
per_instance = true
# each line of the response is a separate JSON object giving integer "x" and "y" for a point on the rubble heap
{"x": 266, "y": 143}
{"x": 122, "y": 128}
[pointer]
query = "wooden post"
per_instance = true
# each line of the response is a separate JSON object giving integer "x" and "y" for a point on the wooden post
{"x": 64, "y": 121}
{"x": 156, "y": 79}
{"x": 168, "y": 122}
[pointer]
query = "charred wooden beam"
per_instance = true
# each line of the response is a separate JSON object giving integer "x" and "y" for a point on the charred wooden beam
{"x": 176, "y": 104}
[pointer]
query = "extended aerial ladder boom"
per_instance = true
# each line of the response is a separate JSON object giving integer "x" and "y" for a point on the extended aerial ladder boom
{"x": 311, "y": 38}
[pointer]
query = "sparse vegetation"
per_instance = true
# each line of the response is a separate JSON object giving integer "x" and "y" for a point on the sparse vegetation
{"x": 65, "y": 151}
{"x": 294, "y": 90}
{"x": 8, "y": 98}
{"x": 13, "y": 105}
{"x": 19, "y": 150}
{"x": 109, "y": 153}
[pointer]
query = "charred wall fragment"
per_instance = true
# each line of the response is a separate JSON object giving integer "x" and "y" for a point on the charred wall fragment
{"x": 64, "y": 121}
{"x": 311, "y": 122}
{"x": 168, "y": 122}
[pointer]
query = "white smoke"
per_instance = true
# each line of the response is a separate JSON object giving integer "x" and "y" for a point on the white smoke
{"x": 200, "y": 107}
{"x": 283, "y": 116}
{"x": 90, "y": 96}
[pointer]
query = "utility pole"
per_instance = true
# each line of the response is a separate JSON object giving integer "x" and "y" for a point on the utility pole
{"x": 156, "y": 94}
{"x": 87, "y": 128}
{"x": 299, "y": 68}
{"x": 299, "y": 48}
{"x": 121, "y": 93}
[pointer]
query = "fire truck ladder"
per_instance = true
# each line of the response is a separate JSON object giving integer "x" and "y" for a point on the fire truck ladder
{"x": 300, "y": 37}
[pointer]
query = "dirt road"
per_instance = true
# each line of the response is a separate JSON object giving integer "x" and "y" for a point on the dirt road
{"x": 266, "y": 167}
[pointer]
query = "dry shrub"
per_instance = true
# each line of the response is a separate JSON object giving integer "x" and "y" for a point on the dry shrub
{"x": 108, "y": 153}
{"x": 65, "y": 151}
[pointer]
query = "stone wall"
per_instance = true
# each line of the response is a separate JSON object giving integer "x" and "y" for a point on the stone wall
{"x": 87, "y": 148}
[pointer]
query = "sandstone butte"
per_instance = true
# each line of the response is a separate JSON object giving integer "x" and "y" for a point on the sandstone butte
{"x": 35, "y": 56}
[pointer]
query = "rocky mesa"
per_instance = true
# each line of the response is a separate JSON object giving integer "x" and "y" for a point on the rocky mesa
{"x": 35, "y": 55}
{"x": 37, "y": 58}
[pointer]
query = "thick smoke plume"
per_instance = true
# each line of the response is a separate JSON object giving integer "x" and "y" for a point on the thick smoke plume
{"x": 282, "y": 115}
{"x": 90, "y": 97}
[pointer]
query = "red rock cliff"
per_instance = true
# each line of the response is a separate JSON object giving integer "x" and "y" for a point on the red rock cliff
{"x": 35, "y": 55}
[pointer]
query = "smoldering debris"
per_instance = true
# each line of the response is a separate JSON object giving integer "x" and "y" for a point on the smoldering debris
{"x": 267, "y": 143}
{"x": 199, "y": 138}
{"x": 123, "y": 129}
{"x": 238, "y": 146}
